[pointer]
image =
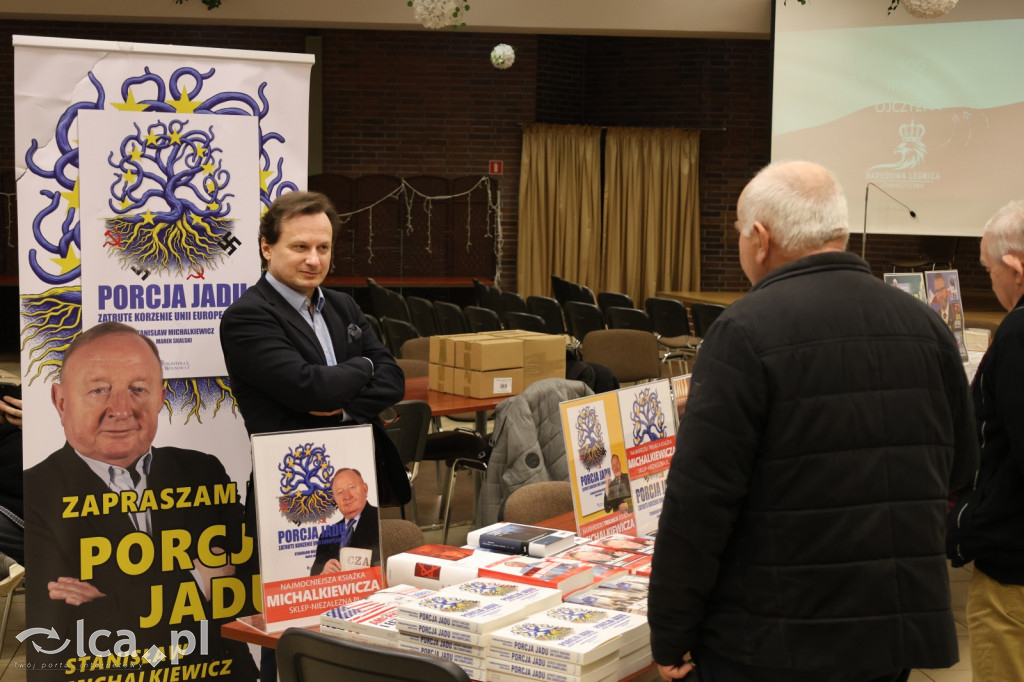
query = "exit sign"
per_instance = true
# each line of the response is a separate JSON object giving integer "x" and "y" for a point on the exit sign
{"x": 496, "y": 167}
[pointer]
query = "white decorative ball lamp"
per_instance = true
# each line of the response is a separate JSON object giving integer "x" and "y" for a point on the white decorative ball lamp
{"x": 928, "y": 9}
{"x": 436, "y": 14}
{"x": 502, "y": 56}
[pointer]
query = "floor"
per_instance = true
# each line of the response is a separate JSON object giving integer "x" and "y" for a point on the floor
{"x": 12, "y": 654}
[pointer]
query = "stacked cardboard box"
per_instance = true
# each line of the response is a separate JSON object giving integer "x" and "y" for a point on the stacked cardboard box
{"x": 494, "y": 364}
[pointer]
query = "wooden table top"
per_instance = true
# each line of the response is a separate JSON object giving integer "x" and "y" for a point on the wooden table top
{"x": 725, "y": 298}
{"x": 442, "y": 404}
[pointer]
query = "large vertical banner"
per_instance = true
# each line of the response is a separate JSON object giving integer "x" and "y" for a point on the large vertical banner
{"x": 142, "y": 173}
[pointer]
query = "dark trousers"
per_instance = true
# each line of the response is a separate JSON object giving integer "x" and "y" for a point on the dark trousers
{"x": 714, "y": 668}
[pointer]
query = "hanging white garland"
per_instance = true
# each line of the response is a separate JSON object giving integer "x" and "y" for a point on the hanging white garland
{"x": 407, "y": 194}
{"x": 928, "y": 9}
{"x": 439, "y": 13}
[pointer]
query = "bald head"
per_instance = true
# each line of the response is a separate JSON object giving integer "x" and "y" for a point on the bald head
{"x": 800, "y": 203}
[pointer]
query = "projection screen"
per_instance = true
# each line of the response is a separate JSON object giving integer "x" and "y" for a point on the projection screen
{"x": 924, "y": 112}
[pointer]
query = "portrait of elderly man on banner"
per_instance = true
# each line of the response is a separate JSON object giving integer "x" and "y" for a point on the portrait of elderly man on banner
{"x": 129, "y": 537}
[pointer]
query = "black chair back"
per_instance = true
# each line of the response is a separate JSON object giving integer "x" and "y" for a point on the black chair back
{"x": 668, "y": 316}
{"x": 628, "y": 318}
{"x": 423, "y": 316}
{"x": 607, "y": 299}
{"x": 307, "y": 656}
{"x": 375, "y": 325}
{"x": 512, "y": 302}
{"x": 566, "y": 291}
{"x": 488, "y": 297}
{"x": 482, "y": 319}
{"x": 387, "y": 303}
{"x": 704, "y": 315}
{"x": 583, "y": 318}
{"x": 397, "y": 332}
{"x": 527, "y": 321}
{"x": 450, "y": 318}
{"x": 550, "y": 310}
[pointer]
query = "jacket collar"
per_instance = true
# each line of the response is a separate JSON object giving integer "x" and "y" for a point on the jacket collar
{"x": 829, "y": 260}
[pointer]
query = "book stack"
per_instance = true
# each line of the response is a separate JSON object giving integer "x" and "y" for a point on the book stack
{"x": 436, "y": 566}
{"x": 371, "y": 620}
{"x": 455, "y": 623}
{"x": 570, "y": 643}
{"x": 517, "y": 538}
{"x": 620, "y": 593}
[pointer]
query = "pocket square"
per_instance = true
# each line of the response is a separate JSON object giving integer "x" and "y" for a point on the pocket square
{"x": 354, "y": 333}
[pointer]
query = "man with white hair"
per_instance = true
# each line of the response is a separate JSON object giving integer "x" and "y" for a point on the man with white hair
{"x": 802, "y": 535}
{"x": 987, "y": 523}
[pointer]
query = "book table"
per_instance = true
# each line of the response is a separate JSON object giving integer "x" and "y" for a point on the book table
{"x": 249, "y": 629}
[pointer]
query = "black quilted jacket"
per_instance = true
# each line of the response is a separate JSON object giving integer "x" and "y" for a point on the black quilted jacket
{"x": 804, "y": 519}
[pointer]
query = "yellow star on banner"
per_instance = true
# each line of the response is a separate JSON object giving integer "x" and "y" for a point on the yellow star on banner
{"x": 69, "y": 262}
{"x": 126, "y": 202}
{"x": 147, "y": 218}
{"x": 264, "y": 174}
{"x": 73, "y": 197}
{"x": 184, "y": 105}
{"x": 200, "y": 150}
{"x": 175, "y": 137}
{"x": 135, "y": 154}
{"x": 209, "y": 167}
{"x": 152, "y": 138}
{"x": 129, "y": 103}
{"x": 129, "y": 177}
{"x": 213, "y": 206}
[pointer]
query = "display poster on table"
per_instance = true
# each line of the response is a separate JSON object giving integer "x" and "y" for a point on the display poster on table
{"x": 944, "y": 297}
{"x": 908, "y": 282}
{"x": 319, "y": 527}
{"x": 142, "y": 171}
{"x": 619, "y": 445}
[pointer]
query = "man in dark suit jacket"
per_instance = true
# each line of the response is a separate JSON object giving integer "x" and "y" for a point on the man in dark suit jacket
{"x": 359, "y": 526}
{"x": 118, "y": 531}
{"x": 303, "y": 357}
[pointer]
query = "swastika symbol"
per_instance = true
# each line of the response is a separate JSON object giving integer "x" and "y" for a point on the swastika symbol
{"x": 228, "y": 243}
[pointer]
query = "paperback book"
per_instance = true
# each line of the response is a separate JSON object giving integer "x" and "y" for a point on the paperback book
{"x": 437, "y": 566}
{"x": 503, "y": 667}
{"x": 516, "y": 538}
{"x": 572, "y": 633}
{"x": 562, "y": 574}
{"x": 375, "y": 615}
{"x": 480, "y": 606}
{"x": 607, "y": 598}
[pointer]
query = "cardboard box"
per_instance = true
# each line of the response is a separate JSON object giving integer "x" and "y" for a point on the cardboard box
{"x": 441, "y": 378}
{"x": 543, "y": 354}
{"x": 498, "y": 383}
{"x": 442, "y": 348}
{"x": 484, "y": 353}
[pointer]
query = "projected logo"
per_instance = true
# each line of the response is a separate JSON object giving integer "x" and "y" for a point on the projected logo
{"x": 911, "y": 149}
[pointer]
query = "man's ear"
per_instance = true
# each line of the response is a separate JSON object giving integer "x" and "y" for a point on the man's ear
{"x": 764, "y": 241}
{"x": 57, "y": 398}
{"x": 1014, "y": 263}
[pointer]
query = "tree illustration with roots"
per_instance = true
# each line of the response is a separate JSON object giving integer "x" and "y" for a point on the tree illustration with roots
{"x": 306, "y": 474}
{"x": 647, "y": 417}
{"x": 180, "y": 173}
{"x": 590, "y": 438}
